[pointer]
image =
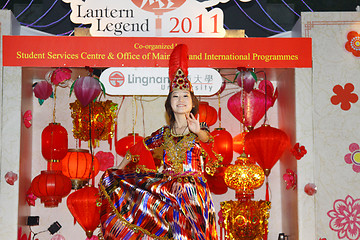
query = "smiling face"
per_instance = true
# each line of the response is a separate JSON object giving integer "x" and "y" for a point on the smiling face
{"x": 181, "y": 101}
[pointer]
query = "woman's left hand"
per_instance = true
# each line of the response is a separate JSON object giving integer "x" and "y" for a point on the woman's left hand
{"x": 193, "y": 123}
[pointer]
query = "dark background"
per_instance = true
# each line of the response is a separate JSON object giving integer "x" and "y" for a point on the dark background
{"x": 251, "y": 18}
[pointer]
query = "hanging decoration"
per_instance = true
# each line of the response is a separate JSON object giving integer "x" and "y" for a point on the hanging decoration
{"x": 246, "y": 79}
{"x": 244, "y": 220}
{"x": 11, "y": 177}
{"x": 42, "y": 90}
{"x": 84, "y": 205}
{"x": 249, "y": 108}
{"x": 103, "y": 115}
{"x": 30, "y": 197}
{"x": 87, "y": 89}
{"x": 265, "y": 145}
{"x": 59, "y": 77}
{"x": 106, "y": 160}
{"x": 290, "y": 179}
{"x": 298, "y": 151}
{"x": 80, "y": 166}
{"x": 51, "y": 186}
{"x": 207, "y": 113}
{"x": 27, "y": 117}
{"x": 310, "y": 189}
{"x": 125, "y": 143}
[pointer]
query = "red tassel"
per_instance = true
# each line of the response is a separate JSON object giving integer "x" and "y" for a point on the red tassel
{"x": 267, "y": 191}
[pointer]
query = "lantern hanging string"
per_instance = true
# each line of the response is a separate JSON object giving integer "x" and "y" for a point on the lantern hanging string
{"x": 219, "y": 110}
{"x": 265, "y": 114}
{"x": 54, "y": 119}
{"x": 91, "y": 146}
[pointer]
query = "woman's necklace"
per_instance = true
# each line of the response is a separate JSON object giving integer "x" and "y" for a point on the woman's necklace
{"x": 175, "y": 134}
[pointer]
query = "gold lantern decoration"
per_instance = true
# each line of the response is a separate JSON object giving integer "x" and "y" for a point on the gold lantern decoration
{"x": 96, "y": 121}
{"x": 245, "y": 219}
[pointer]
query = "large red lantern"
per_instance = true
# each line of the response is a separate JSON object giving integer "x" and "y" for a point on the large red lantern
{"x": 51, "y": 186}
{"x": 54, "y": 142}
{"x": 83, "y": 205}
{"x": 266, "y": 145}
{"x": 207, "y": 113}
{"x": 125, "y": 143}
{"x": 223, "y": 144}
{"x": 80, "y": 166}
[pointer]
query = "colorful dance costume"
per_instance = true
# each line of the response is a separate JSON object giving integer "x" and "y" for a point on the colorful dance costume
{"x": 172, "y": 203}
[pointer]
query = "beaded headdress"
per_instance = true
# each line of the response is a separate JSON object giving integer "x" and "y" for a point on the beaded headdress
{"x": 178, "y": 69}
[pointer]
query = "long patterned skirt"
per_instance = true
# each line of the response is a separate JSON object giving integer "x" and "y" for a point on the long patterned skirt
{"x": 155, "y": 206}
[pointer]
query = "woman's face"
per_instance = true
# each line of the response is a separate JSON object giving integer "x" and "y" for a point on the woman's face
{"x": 181, "y": 101}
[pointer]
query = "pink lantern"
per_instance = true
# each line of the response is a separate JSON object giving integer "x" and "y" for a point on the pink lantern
{"x": 246, "y": 80}
{"x": 249, "y": 108}
{"x": 86, "y": 89}
{"x": 43, "y": 90}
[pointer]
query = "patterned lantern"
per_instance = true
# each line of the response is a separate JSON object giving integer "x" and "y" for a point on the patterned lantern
{"x": 54, "y": 144}
{"x": 83, "y": 205}
{"x": 207, "y": 113}
{"x": 223, "y": 144}
{"x": 244, "y": 220}
{"x": 244, "y": 177}
{"x": 249, "y": 108}
{"x": 239, "y": 142}
{"x": 80, "y": 166}
{"x": 266, "y": 145}
{"x": 125, "y": 143}
{"x": 51, "y": 186}
{"x": 102, "y": 123}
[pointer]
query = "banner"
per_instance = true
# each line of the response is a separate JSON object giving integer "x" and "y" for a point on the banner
{"x": 155, "y": 81}
{"x": 55, "y": 51}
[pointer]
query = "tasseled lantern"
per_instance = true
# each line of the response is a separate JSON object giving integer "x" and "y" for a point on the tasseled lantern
{"x": 265, "y": 145}
{"x": 51, "y": 186}
{"x": 80, "y": 166}
{"x": 85, "y": 207}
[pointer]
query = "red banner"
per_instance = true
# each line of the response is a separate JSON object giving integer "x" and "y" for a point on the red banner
{"x": 54, "y": 51}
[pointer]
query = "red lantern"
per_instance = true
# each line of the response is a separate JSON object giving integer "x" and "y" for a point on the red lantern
{"x": 51, "y": 186}
{"x": 217, "y": 183}
{"x": 223, "y": 144}
{"x": 83, "y": 206}
{"x": 207, "y": 113}
{"x": 266, "y": 145}
{"x": 54, "y": 142}
{"x": 123, "y": 145}
{"x": 86, "y": 89}
{"x": 238, "y": 142}
{"x": 80, "y": 166}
